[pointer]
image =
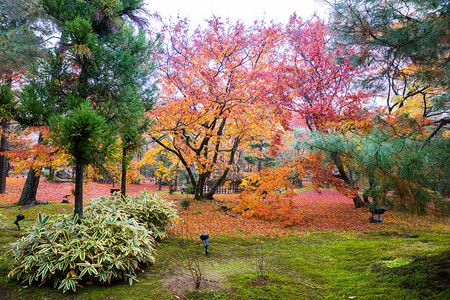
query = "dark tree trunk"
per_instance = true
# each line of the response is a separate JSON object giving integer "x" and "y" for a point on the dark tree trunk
{"x": 4, "y": 127}
{"x": 366, "y": 199}
{"x": 370, "y": 191}
{"x": 175, "y": 183}
{"x": 3, "y": 159}
{"x": 222, "y": 178}
{"x": 51, "y": 173}
{"x": 78, "y": 206}
{"x": 217, "y": 184}
{"x": 30, "y": 188}
{"x": 159, "y": 183}
{"x": 200, "y": 186}
{"x": 260, "y": 159}
{"x": 357, "y": 199}
{"x": 123, "y": 186}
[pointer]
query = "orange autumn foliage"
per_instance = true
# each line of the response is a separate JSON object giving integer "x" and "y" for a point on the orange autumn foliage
{"x": 322, "y": 174}
{"x": 319, "y": 210}
{"x": 276, "y": 207}
{"x": 27, "y": 152}
{"x": 262, "y": 197}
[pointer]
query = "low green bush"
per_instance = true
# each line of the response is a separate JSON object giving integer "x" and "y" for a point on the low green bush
{"x": 147, "y": 209}
{"x": 68, "y": 251}
{"x": 185, "y": 203}
{"x": 190, "y": 189}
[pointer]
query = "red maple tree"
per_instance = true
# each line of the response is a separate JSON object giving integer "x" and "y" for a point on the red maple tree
{"x": 219, "y": 92}
{"x": 319, "y": 78}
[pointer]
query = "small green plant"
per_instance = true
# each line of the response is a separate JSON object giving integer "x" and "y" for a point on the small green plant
{"x": 67, "y": 250}
{"x": 187, "y": 258}
{"x": 190, "y": 189}
{"x": 185, "y": 203}
{"x": 151, "y": 211}
{"x": 260, "y": 262}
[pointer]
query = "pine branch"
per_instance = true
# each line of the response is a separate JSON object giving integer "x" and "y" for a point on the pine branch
{"x": 442, "y": 123}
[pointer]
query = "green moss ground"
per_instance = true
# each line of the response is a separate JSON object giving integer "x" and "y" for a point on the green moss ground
{"x": 317, "y": 265}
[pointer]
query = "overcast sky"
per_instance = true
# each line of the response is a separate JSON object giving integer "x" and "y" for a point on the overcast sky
{"x": 247, "y": 10}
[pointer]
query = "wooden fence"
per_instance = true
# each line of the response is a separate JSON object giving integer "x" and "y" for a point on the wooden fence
{"x": 232, "y": 188}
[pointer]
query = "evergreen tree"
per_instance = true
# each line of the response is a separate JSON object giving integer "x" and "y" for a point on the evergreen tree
{"x": 21, "y": 36}
{"x": 393, "y": 168}
{"x": 129, "y": 67}
{"x": 405, "y": 43}
{"x": 82, "y": 64}
{"x": 21, "y": 39}
{"x": 85, "y": 136}
{"x": 46, "y": 94}
{"x": 7, "y": 106}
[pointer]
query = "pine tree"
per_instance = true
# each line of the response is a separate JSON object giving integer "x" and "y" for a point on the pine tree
{"x": 405, "y": 45}
{"x": 80, "y": 63}
{"x": 21, "y": 41}
{"x": 129, "y": 63}
{"x": 7, "y": 106}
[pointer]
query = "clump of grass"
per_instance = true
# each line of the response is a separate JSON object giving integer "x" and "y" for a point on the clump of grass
{"x": 185, "y": 203}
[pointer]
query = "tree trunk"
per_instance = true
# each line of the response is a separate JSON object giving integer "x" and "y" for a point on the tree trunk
{"x": 199, "y": 195}
{"x": 222, "y": 178}
{"x": 51, "y": 174}
{"x": 370, "y": 191}
{"x": 78, "y": 206}
{"x": 159, "y": 183}
{"x": 175, "y": 183}
{"x": 123, "y": 186}
{"x": 259, "y": 158}
{"x": 357, "y": 199}
{"x": 30, "y": 188}
{"x": 4, "y": 127}
{"x": 217, "y": 184}
{"x": 3, "y": 158}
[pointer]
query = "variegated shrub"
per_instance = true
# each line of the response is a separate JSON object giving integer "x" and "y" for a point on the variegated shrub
{"x": 68, "y": 251}
{"x": 147, "y": 209}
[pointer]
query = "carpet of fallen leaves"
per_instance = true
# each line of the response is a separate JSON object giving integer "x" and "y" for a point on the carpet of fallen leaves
{"x": 55, "y": 191}
{"x": 324, "y": 210}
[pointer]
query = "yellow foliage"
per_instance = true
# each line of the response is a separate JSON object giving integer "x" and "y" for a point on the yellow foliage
{"x": 446, "y": 134}
{"x": 114, "y": 167}
{"x": 154, "y": 157}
